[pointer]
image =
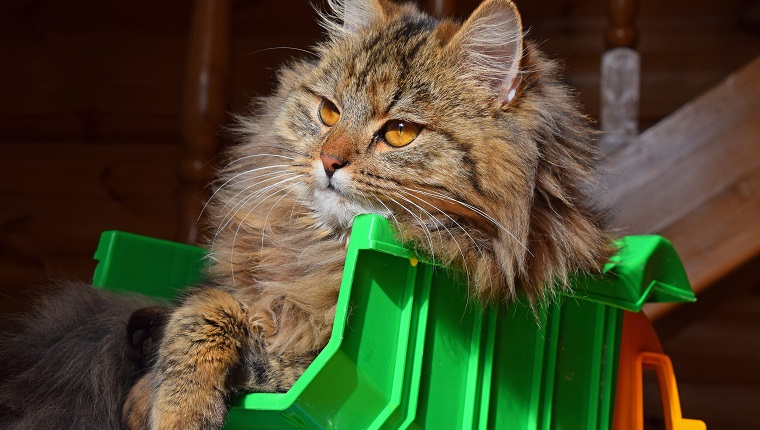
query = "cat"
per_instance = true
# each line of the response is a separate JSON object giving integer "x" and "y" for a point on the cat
{"x": 460, "y": 134}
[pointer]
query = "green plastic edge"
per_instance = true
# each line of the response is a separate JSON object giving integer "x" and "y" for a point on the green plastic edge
{"x": 645, "y": 269}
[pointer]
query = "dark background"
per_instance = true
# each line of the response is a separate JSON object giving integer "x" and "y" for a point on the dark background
{"x": 90, "y": 134}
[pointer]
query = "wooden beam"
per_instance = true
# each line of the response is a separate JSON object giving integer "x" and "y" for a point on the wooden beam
{"x": 695, "y": 179}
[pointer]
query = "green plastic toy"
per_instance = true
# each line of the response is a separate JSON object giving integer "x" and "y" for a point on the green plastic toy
{"x": 409, "y": 350}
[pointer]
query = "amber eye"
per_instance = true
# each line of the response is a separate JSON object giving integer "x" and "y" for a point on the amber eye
{"x": 400, "y": 133}
{"x": 328, "y": 113}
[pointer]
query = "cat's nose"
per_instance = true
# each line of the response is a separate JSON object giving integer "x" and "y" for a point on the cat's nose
{"x": 332, "y": 164}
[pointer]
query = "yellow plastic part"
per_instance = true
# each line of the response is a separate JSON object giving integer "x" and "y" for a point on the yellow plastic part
{"x": 640, "y": 349}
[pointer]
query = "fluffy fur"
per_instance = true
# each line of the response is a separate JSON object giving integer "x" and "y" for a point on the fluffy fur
{"x": 492, "y": 184}
{"x": 64, "y": 366}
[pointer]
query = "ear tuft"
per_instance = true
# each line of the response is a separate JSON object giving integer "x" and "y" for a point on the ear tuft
{"x": 492, "y": 44}
{"x": 351, "y": 16}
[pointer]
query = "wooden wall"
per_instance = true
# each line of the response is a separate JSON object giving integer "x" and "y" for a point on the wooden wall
{"x": 92, "y": 92}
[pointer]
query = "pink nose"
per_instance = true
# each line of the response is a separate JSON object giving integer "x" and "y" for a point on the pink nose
{"x": 332, "y": 164}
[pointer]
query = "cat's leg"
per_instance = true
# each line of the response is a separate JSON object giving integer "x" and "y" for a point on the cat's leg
{"x": 204, "y": 341}
{"x": 210, "y": 348}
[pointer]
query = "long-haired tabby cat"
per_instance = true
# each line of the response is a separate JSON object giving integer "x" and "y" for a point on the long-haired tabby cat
{"x": 459, "y": 133}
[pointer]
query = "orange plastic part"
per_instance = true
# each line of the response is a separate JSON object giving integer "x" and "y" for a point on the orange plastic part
{"x": 640, "y": 349}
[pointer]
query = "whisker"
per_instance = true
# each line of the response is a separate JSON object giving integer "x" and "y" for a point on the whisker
{"x": 221, "y": 187}
{"x": 456, "y": 242}
{"x": 460, "y": 227}
{"x": 442, "y": 212}
{"x": 282, "y": 47}
{"x": 474, "y": 209}
{"x": 240, "y": 224}
{"x": 287, "y": 157}
{"x": 419, "y": 221}
{"x": 390, "y": 212}
{"x": 235, "y": 209}
{"x": 293, "y": 209}
{"x": 282, "y": 148}
{"x": 273, "y": 176}
{"x": 435, "y": 221}
{"x": 264, "y": 177}
{"x": 245, "y": 200}
{"x": 266, "y": 218}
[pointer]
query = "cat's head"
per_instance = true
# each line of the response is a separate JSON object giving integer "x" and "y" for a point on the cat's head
{"x": 459, "y": 133}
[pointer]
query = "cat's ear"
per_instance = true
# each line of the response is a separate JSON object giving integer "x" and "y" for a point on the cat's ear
{"x": 491, "y": 43}
{"x": 354, "y": 15}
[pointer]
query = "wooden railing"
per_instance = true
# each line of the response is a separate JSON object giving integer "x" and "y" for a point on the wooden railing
{"x": 695, "y": 179}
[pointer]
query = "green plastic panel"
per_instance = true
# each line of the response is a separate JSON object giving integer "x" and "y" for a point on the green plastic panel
{"x": 154, "y": 267}
{"x": 410, "y": 350}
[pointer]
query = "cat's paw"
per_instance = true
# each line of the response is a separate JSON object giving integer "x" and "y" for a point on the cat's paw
{"x": 145, "y": 410}
{"x": 189, "y": 381}
{"x": 144, "y": 331}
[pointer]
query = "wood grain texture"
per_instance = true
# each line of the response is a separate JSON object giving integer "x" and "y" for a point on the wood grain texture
{"x": 695, "y": 178}
{"x": 58, "y": 197}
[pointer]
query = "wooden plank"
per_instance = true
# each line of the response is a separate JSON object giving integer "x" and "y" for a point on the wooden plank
{"x": 91, "y": 125}
{"x": 717, "y": 237}
{"x": 59, "y": 197}
{"x": 663, "y": 159}
{"x": 107, "y": 171}
{"x": 695, "y": 178}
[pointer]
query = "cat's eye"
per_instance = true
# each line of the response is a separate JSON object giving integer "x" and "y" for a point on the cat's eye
{"x": 400, "y": 133}
{"x": 328, "y": 113}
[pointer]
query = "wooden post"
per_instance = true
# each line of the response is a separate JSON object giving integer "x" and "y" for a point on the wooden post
{"x": 622, "y": 31}
{"x": 619, "y": 86}
{"x": 205, "y": 107}
{"x": 440, "y": 8}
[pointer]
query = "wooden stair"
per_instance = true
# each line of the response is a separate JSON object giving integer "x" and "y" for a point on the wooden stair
{"x": 695, "y": 179}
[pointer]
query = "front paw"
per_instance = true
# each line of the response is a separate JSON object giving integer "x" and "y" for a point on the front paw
{"x": 189, "y": 381}
{"x": 173, "y": 409}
